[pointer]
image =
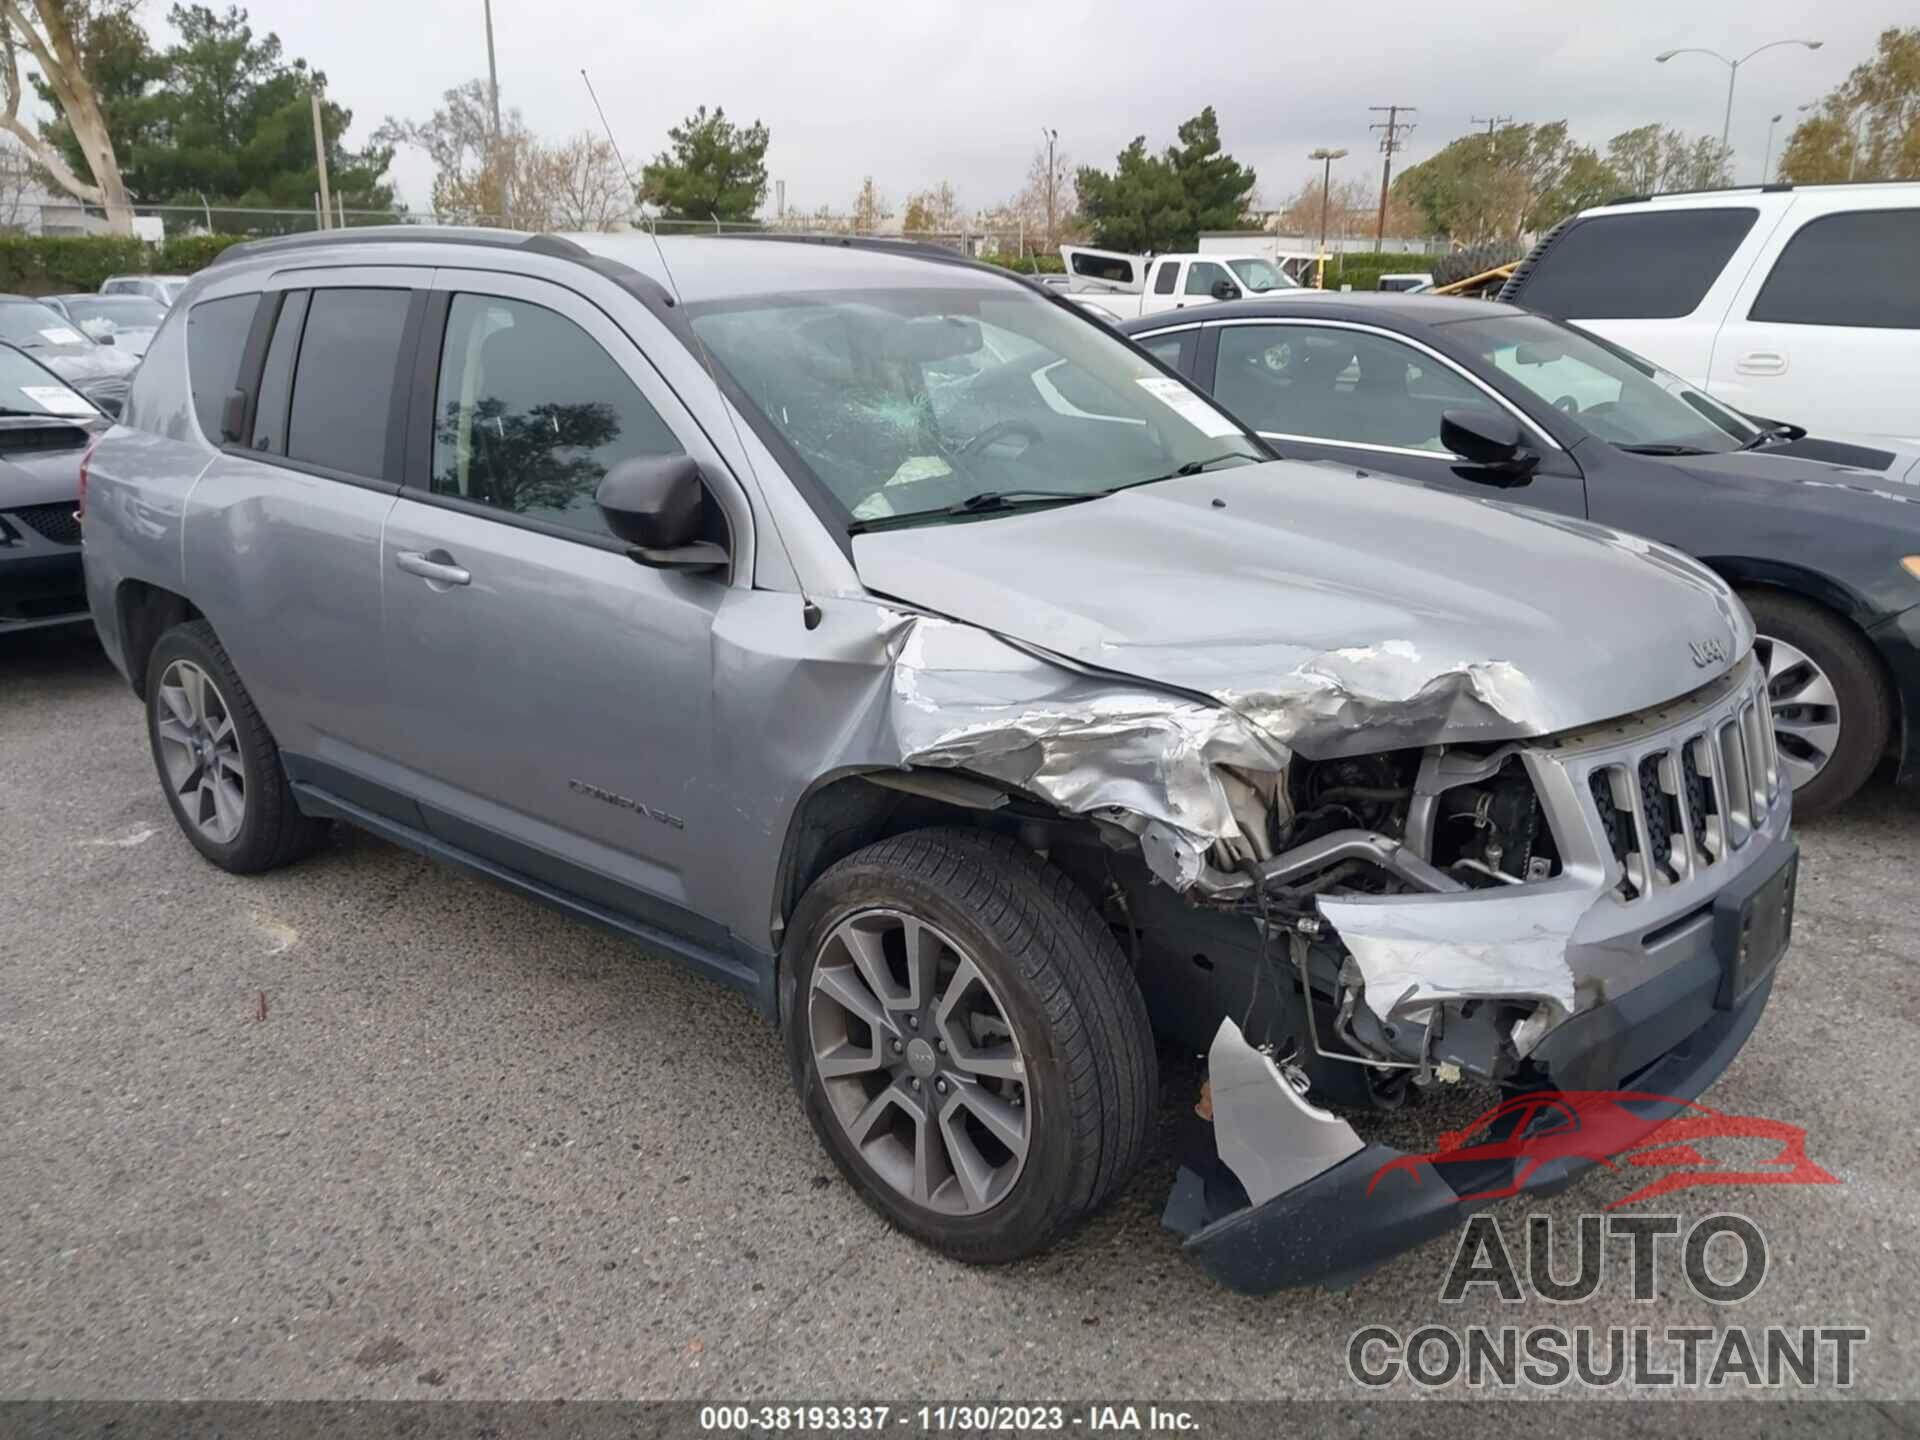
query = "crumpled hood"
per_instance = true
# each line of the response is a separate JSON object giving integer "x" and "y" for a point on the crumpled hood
{"x": 1333, "y": 610}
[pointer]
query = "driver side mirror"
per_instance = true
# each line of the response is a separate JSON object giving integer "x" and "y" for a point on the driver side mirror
{"x": 1225, "y": 290}
{"x": 657, "y": 504}
{"x": 1491, "y": 444}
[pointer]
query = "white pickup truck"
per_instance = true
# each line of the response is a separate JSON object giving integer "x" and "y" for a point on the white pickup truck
{"x": 1122, "y": 286}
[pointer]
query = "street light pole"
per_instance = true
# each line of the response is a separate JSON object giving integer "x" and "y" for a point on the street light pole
{"x": 1052, "y": 136}
{"x": 1766, "y": 155}
{"x": 493, "y": 96}
{"x": 1733, "y": 74}
{"x": 1326, "y": 158}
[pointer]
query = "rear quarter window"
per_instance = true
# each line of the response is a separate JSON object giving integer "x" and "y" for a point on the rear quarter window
{"x": 1104, "y": 267}
{"x": 216, "y": 340}
{"x": 1860, "y": 269}
{"x": 1657, "y": 265}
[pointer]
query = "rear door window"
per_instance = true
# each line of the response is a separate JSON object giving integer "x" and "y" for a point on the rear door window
{"x": 1172, "y": 350}
{"x": 1164, "y": 277}
{"x": 344, "y": 384}
{"x": 216, "y": 341}
{"x": 1859, "y": 269}
{"x": 1655, "y": 265}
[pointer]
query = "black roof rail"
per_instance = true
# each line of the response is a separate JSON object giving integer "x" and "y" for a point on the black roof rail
{"x": 391, "y": 234}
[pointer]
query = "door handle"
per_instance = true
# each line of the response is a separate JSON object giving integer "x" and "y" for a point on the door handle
{"x": 436, "y": 567}
{"x": 1762, "y": 362}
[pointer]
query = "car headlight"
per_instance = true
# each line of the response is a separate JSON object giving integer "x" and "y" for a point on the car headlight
{"x": 1912, "y": 566}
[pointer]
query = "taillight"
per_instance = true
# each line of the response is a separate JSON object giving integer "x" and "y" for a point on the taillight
{"x": 86, "y": 459}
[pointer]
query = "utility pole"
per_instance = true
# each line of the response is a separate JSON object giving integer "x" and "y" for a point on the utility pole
{"x": 1390, "y": 141}
{"x": 1493, "y": 122}
{"x": 1052, "y": 137}
{"x": 320, "y": 158}
{"x": 493, "y": 95}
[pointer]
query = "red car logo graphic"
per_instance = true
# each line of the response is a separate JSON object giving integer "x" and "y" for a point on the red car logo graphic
{"x": 1616, "y": 1128}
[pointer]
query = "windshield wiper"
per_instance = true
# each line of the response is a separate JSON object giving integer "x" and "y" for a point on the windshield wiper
{"x": 1663, "y": 450}
{"x": 1192, "y": 467}
{"x": 986, "y": 502}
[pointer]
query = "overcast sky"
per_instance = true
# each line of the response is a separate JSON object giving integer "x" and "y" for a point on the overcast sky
{"x": 913, "y": 92}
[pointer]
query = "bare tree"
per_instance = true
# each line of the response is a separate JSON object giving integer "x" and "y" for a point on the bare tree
{"x": 579, "y": 184}
{"x": 869, "y": 208}
{"x": 934, "y": 210}
{"x": 16, "y": 183}
{"x": 476, "y": 177}
{"x": 45, "y": 28}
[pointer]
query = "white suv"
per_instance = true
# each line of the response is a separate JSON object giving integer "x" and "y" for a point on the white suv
{"x": 1798, "y": 304}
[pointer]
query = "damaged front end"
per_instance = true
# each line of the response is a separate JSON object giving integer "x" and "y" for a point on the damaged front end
{"x": 1348, "y": 930}
{"x": 1591, "y": 910}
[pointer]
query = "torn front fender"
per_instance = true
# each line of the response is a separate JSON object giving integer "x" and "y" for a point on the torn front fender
{"x": 1152, "y": 762}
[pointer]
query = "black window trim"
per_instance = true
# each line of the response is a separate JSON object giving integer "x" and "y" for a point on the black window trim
{"x": 1786, "y": 247}
{"x": 253, "y": 366}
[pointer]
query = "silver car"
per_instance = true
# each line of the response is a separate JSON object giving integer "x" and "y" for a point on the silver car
{"x": 97, "y": 371}
{"x": 126, "y": 322}
{"x": 883, "y": 637}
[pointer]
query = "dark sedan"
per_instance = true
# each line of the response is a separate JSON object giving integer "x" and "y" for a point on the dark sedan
{"x": 1820, "y": 535}
{"x": 45, "y": 428}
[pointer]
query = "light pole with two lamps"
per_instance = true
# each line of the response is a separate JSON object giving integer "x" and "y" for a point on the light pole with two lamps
{"x": 1733, "y": 73}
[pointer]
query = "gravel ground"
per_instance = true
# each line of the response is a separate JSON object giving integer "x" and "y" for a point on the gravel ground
{"x": 476, "y": 1149}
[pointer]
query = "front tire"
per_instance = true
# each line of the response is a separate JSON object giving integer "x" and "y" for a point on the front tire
{"x": 216, "y": 759}
{"x": 1831, "y": 705}
{"x": 967, "y": 1040}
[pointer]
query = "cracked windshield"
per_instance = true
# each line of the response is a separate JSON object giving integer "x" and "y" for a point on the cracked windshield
{"x": 920, "y": 404}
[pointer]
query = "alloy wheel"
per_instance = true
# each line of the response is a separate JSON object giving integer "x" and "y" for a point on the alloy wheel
{"x": 1806, "y": 709}
{"x": 200, "y": 750}
{"x": 918, "y": 1061}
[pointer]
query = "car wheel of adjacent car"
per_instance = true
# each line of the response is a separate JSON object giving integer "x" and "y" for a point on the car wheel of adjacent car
{"x": 217, "y": 762}
{"x": 968, "y": 1040}
{"x": 1831, "y": 707}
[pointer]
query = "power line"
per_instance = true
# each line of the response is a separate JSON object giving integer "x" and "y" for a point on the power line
{"x": 1393, "y": 129}
{"x": 1492, "y": 122}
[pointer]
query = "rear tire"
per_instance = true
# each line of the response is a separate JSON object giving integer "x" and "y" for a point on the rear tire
{"x": 216, "y": 760}
{"x": 1831, "y": 704}
{"x": 1067, "y": 1063}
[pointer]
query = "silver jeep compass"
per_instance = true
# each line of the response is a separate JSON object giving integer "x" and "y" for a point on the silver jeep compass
{"x": 880, "y": 635}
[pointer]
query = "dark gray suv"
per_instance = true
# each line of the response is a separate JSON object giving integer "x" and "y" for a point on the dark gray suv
{"x": 880, "y": 635}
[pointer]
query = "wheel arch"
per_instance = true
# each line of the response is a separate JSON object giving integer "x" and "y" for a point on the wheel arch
{"x": 146, "y": 612}
{"x": 1809, "y": 587}
{"x": 848, "y": 810}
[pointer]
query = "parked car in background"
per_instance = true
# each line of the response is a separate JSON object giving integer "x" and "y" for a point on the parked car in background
{"x": 97, "y": 371}
{"x": 877, "y": 633}
{"x": 45, "y": 427}
{"x": 1406, "y": 282}
{"x": 126, "y": 322}
{"x": 162, "y": 288}
{"x": 1796, "y": 302}
{"x": 1820, "y": 534}
{"x": 1123, "y": 286}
